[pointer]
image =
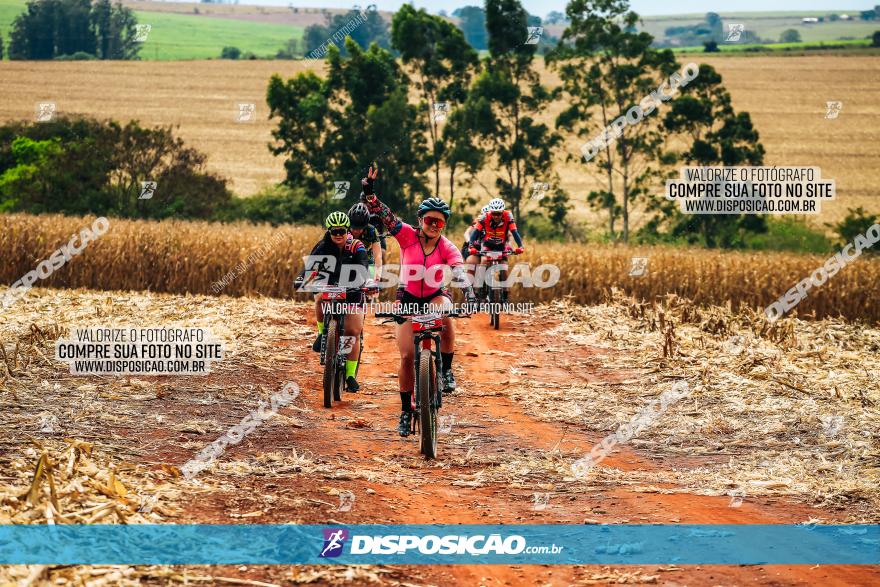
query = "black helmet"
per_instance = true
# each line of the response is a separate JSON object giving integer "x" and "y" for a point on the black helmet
{"x": 435, "y": 204}
{"x": 359, "y": 215}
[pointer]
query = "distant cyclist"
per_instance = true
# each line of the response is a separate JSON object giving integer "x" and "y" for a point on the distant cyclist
{"x": 339, "y": 244}
{"x": 363, "y": 230}
{"x": 424, "y": 246}
{"x": 491, "y": 232}
{"x": 470, "y": 231}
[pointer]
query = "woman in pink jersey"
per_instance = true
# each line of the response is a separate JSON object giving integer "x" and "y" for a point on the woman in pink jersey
{"x": 422, "y": 247}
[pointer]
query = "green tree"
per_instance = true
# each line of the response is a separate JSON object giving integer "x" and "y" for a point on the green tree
{"x": 25, "y": 179}
{"x": 875, "y": 39}
{"x": 460, "y": 153}
{"x": 53, "y": 28}
{"x": 290, "y": 51}
{"x": 368, "y": 27}
{"x": 115, "y": 28}
{"x": 505, "y": 102}
{"x": 717, "y": 135}
{"x": 554, "y": 17}
{"x": 716, "y": 26}
{"x": 790, "y": 36}
{"x": 472, "y": 22}
{"x": 856, "y": 222}
{"x": 230, "y": 53}
{"x": 314, "y": 36}
{"x": 441, "y": 63}
{"x": 330, "y": 129}
{"x": 607, "y": 70}
{"x": 1, "y": 47}
{"x": 77, "y": 165}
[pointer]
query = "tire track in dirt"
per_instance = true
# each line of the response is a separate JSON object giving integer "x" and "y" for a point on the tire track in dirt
{"x": 360, "y": 433}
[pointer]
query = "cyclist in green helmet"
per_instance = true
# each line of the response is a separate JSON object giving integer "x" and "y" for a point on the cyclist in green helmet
{"x": 344, "y": 249}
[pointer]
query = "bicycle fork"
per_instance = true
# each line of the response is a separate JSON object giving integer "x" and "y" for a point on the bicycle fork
{"x": 422, "y": 344}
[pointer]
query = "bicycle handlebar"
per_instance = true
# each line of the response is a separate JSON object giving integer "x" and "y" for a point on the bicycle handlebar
{"x": 401, "y": 318}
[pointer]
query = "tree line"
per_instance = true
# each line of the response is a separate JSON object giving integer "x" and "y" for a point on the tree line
{"x": 330, "y": 128}
{"x": 429, "y": 108}
{"x": 74, "y": 29}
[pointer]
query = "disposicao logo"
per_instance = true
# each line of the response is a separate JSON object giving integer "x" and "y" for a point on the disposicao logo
{"x": 334, "y": 540}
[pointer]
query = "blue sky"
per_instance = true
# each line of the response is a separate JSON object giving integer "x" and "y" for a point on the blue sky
{"x": 645, "y": 7}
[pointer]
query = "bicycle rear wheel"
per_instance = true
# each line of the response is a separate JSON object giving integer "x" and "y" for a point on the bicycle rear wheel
{"x": 339, "y": 381}
{"x": 427, "y": 408}
{"x": 330, "y": 366}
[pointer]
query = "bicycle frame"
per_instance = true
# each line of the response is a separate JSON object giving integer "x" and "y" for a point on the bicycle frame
{"x": 426, "y": 338}
{"x": 334, "y": 372}
{"x": 494, "y": 258}
{"x": 328, "y": 296}
{"x": 424, "y": 334}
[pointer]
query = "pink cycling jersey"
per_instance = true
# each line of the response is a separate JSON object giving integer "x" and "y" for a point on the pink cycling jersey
{"x": 413, "y": 257}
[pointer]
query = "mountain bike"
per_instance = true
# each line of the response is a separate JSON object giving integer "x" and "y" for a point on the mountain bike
{"x": 333, "y": 353}
{"x": 426, "y": 330}
{"x": 496, "y": 294}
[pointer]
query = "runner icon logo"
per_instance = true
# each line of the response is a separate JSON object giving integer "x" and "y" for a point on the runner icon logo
{"x": 334, "y": 540}
{"x": 340, "y": 189}
{"x": 735, "y": 31}
{"x": 833, "y": 109}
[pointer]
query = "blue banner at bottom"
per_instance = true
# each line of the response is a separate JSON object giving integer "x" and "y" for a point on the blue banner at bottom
{"x": 544, "y": 544}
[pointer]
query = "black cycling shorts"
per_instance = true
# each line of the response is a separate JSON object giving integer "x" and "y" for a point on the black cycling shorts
{"x": 418, "y": 305}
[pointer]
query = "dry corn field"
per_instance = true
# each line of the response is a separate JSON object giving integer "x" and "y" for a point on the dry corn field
{"x": 191, "y": 257}
{"x": 786, "y": 97}
{"x": 784, "y": 420}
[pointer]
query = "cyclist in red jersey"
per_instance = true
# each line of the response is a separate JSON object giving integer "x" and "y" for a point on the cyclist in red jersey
{"x": 491, "y": 232}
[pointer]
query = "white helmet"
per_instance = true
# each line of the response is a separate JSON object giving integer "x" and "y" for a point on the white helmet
{"x": 496, "y": 205}
{"x": 484, "y": 209}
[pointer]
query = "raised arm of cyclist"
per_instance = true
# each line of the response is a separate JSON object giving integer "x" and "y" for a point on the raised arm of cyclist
{"x": 426, "y": 249}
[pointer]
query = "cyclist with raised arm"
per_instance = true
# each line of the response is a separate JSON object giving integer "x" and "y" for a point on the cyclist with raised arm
{"x": 363, "y": 230}
{"x": 423, "y": 247}
{"x": 491, "y": 232}
{"x": 346, "y": 250}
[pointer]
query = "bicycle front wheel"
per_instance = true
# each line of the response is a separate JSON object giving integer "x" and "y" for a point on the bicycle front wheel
{"x": 427, "y": 406}
{"x": 495, "y": 318}
{"x": 330, "y": 366}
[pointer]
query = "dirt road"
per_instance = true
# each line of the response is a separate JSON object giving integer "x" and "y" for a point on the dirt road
{"x": 488, "y": 430}
{"x": 505, "y": 458}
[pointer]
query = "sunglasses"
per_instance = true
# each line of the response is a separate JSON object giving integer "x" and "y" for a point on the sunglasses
{"x": 431, "y": 221}
{"x": 497, "y": 214}
{"x": 338, "y": 231}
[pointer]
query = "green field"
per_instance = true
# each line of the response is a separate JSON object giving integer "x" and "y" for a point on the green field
{"x": 859, "y": 44}
{"x": 177, "y": 36}
{"x": 769, "y": 25}
{"x": 187, "y": 36}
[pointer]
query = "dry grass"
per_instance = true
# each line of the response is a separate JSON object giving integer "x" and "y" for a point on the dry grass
{"x": 786, "y": 97}
{"x": 104, "y": 450}
{"x": 793, "y": 411}
{"x": 188, "y": 257}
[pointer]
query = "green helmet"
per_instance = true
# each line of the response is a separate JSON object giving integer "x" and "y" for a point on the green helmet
{"x": 337, "y": 219}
